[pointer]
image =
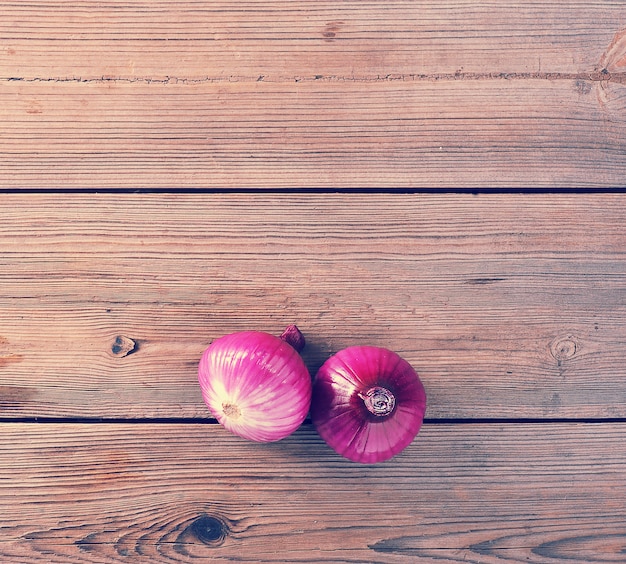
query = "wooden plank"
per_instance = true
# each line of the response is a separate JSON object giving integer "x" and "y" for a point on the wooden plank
{"x": 509, "y": 306}
{"x": 469, "y": 493}
{"x": 214, "y": 40}
{"x": 401, "y": 94}
{"x": 423, "y": 133}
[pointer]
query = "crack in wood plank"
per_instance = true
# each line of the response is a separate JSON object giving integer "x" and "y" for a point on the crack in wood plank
{"x": 603, "y": 75}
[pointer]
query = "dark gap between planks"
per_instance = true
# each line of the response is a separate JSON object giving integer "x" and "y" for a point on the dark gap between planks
{"x": 202, "y": 421}
{"x": 314, "y": 190}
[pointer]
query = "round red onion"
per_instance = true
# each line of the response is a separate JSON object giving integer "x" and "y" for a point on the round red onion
{"x": 255, "y": 384}
{"x": 368, "y": 403}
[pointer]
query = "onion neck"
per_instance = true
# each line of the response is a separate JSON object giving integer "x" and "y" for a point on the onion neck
{"x": 292, "y": 336}
{"x": 379, "y": 401}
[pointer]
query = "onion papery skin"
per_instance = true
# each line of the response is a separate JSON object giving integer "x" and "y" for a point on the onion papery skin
{"x": 256, "y": 385}
{"x": 339, "y": 412}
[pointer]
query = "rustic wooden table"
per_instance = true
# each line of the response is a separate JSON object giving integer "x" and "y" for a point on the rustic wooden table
{"x": 172, "y": 171}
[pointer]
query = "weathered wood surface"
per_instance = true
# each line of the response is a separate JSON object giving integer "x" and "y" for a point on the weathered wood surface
{"x": 173, "y": 493}
{"x": 349, "y": 94}
{"x": 512, "y": 307}
{"x": 508, "y": 306}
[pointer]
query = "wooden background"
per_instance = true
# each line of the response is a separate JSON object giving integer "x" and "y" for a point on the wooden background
{"x": 174, "y": 171}
{"x": 401, "y": 93}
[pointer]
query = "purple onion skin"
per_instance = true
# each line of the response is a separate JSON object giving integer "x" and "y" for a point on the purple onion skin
{"x": 256, "y": 385}
{"x": 339, "y": 409}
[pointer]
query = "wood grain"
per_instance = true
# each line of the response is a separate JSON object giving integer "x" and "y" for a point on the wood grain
{"x": 174, "y": 493}
{"x": 193, "y": 41}
{"x": 508, "y": 306}
{"x": 512, "y": 307}
{"x": 265, "y": 95}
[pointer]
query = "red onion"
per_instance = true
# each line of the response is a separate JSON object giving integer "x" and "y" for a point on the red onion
{"x": 256, "y": 384}
{"x": 368, "y": 403}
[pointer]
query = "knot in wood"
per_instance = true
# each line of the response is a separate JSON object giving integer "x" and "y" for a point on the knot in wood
{"x": 123, "y": 346}
{"x": 564, "y": 348}
{"x": 209, "y": 529}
